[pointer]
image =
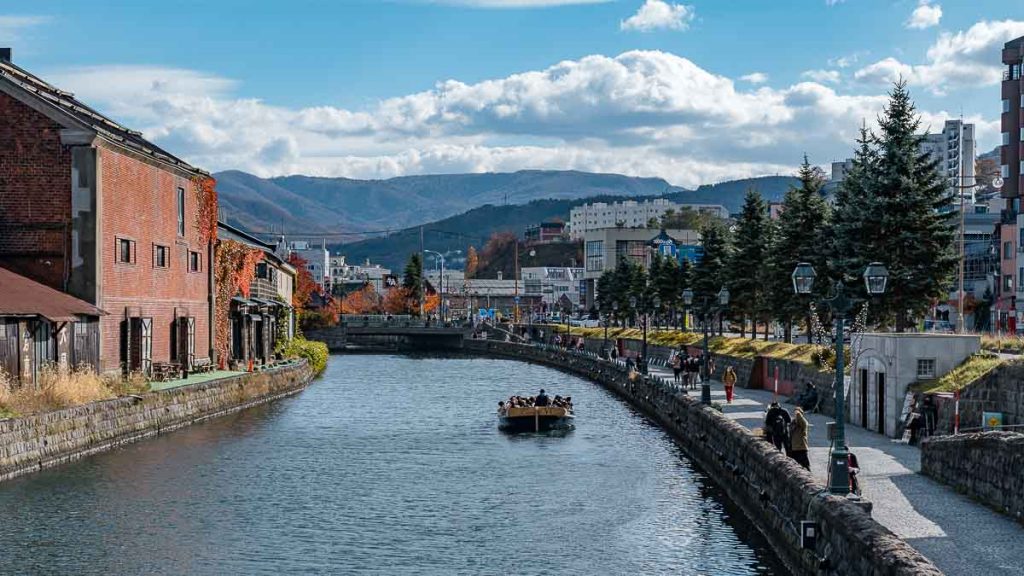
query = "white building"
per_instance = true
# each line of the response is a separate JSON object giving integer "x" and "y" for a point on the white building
{"x": 342, "y": 273}
{"x": 317, "y": 261}
{"x": 886, "y": 365}
{"x": 954, "y": 149}
{"x": 629, "y": 214}
{"x": 553, "y": 282}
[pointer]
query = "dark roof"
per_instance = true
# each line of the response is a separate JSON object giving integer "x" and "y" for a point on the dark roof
{"x": 229, "y": 232}
{"x": 65, "y": 103}
{"x": 24, "y": 297}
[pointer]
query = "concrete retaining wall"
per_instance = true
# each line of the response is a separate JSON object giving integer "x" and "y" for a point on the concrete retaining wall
{"x": 775, "y": 492}
{"x": 42, "y": 440}
{"x": 1001, "y": 390}
{"x": 987, "y": 466}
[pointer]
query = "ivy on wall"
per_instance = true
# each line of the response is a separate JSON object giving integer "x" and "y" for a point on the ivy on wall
{"x": 205, "y": 190}
{"x": 234, "y": 270}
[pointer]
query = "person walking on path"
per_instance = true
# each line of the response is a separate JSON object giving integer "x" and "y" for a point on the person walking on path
{"x": 677, "y": 367}
{"x": 776, "y": 426}
{"x": 729, "y": 380}
{"x": 798, "y": 438}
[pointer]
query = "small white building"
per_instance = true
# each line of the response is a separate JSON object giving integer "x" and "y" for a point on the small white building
{"x": 317, "y": 260}
{"x": 630, "y": 214}
{"x": 552, "y": 282}
{"x": 885, "y": 365}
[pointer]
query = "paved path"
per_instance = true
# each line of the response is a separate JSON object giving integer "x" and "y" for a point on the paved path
{"x": 960, "y": 536}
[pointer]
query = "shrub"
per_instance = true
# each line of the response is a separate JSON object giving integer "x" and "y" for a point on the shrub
{"x": 58, "y": 388}
{"x": 314, "y": 352}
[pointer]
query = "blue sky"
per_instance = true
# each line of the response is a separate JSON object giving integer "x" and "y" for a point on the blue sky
{"x": 694, "y": 92}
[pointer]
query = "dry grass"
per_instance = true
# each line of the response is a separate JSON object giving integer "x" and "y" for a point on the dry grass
{"x": 57, "y": 389}
{"x": 1006, "y": 344}
{"x": 970, "y": 370}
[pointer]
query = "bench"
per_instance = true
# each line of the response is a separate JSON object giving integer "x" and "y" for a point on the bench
{"x": 163, "y": 371}
{"x": 202, "y": 366}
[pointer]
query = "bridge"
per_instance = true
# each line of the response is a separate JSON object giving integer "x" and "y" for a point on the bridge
{"x": 374, "y": 333}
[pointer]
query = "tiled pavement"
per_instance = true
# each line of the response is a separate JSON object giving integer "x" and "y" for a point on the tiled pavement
{"x": 960, "y": 536}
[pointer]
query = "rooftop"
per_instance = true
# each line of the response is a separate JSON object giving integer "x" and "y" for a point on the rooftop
{"x": 24, "y": 297}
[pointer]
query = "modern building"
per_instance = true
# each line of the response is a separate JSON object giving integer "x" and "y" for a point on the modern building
{"x": 318, "y": 261}
{"x": 955, "y": 152}
{"x": 629, "y": 214}
{"x": 346, "y": 277}
{"x": 982, "y": 254}
{"x": 546, "y": 232}
{"x": 1011, "y": 166}
{"x": 884, "y": 366}
{"x": 41, "y": 326}
{"x": 469, "y": 295}
{"x": 554, "y": 284}
{"x": 604, "y": 248}
{"x": 841, "y": 169}
{"x": 255, "y": 325}
{"x": 93, "y": 209}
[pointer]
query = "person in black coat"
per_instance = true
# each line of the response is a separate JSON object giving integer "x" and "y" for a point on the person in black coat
{"x": 776, "y": 426}
{"x": 542, "y": 399}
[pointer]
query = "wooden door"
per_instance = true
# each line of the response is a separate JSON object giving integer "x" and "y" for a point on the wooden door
{"x": 140, "y": 345}
{"x": 186, "y": 340}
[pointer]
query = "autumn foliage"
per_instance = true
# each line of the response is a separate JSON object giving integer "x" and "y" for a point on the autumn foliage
{"x": 205, "y": 191}
{"x": 362, "y": 301}
{"x": 234, "y": 271}
{"x": 304, "y": 283}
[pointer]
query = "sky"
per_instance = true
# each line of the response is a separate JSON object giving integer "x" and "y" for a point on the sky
{"x": 695, "y": 92}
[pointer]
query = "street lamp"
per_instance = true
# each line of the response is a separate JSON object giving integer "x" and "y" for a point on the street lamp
{"x": 440, "y": 283}
{"x": 708, "y": 308}
{"x": 875, "y": 278}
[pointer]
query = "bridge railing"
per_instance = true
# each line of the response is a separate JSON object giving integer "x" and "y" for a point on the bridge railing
{"x": 395, "y": 321}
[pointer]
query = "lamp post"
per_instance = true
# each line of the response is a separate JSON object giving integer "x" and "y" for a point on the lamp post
{"x": 440, "y": 283}
{"x": 875, "y": 278}
{"x": 614, "y": 314}
{"x": 706, "y": 310}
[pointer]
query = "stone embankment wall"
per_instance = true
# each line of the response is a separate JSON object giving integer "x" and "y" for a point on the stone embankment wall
{"x": 774, "y": 492}
{"x": 987, "y": 466}
{"x": 42, "y": 440}
{"x": 1001, "y": 390}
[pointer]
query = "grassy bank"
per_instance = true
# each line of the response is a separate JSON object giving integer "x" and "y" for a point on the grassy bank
{"x": 57, "y": 389}
{"x": 1005, "y": 345}
{"x": 737, "y": 347}
{"x": 314, "y": 352}
{"x": 970, "y": 370}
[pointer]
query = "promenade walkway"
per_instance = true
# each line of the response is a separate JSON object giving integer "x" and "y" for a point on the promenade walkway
{"x": 962, "y": 537}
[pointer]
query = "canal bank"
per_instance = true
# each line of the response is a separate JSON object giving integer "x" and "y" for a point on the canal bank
{"x": 39, "y": 441}
{"x": 773, "y": 491}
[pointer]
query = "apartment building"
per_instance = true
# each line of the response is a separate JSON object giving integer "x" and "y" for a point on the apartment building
{"x": 1011, "y": 171}
{"x": 629, "y": 214}
{"x": 318, "y": 260}
{"x": 604, "y": 248}
{"x": 554, "y": 284}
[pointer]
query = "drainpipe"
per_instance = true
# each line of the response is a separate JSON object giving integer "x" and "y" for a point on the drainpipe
{"x": 212, "y": 323}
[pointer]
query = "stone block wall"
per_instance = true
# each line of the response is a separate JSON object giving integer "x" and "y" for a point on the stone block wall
{"x": 42, "y": 440}
{"x": 987, "y": 466}
{"x": 773, "y": 491}
{"x": 1001, "y": 390}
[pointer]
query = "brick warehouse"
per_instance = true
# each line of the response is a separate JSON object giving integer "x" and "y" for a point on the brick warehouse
{"x": 91, "y": 208}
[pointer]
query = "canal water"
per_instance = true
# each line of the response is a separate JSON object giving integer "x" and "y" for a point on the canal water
{"x": 387, "y": 465}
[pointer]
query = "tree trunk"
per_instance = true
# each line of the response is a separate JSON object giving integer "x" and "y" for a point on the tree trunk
{"x": 743, "y": 326}
{"x": 810, "y": 337}
{"x": 767, "y": 322}
{"x": 787, "y": 333}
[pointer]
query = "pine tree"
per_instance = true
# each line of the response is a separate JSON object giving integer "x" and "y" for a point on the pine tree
{"x": 412, "y": 281}
{"x": 746, "y": 265}
{"x": 854, "y": 217}
{"x": 801, "y": 236}
{"x": 710, "y": 273}
{"x": 911, "y": 204}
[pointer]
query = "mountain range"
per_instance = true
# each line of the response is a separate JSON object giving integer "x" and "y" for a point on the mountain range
{"x": 316, "y": 205}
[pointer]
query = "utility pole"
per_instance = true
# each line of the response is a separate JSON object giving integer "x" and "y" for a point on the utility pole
{"x": 963, "y": 222}
{"x": 423, "y": 286}
{"x": 515, "y": 318}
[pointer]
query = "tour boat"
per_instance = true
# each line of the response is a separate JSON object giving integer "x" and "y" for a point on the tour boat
{"x": 535, "y": 418}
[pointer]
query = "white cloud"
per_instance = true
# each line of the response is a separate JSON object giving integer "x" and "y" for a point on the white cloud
{"x": 755, "y": 78}
{"x": 644, "y": 113}
{"x": 965, "y": 59}
{"x": 659, "y": 15}
{"x": 847, "y": 60}
{"x": 924, "y": 16}
{"x": 822, "y": 76}
{"x": 12, "y": 26}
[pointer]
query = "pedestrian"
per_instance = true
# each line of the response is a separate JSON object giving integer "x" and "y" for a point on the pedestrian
{"x": 931, "y": 414}
{"x": 776, "y": 426}
{"x": 729, "y": 381}
{"x": 798, "y": 438}
{"x": 677, "y": 367}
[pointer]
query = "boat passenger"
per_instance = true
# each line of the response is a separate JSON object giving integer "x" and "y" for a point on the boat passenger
{"x": 542, "y": 399}
{"x": 501, "y": 407}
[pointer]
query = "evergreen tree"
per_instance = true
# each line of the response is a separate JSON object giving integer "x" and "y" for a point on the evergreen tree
{"x": 855, "y": 220}
{"x": 910, "y": 205}
{"x": 710, "y": 273}
{"x": 801, "y": 236}
{"x": 412, "y": 281}
{"x": 746, "y": 264}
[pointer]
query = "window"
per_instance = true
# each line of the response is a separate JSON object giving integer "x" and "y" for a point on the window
{"x": 194, "y": 262}
{"x": 261, "y": 270}
{"x": 125, "y": 251}
{"x": 595, "y": 255}
{"x": 1006, "y": 104}
{"x": 1008, "y": 283}
{"x": 1006, "y": 138}
{"x": 181, "y": 211}
{"x": 1015, "y": 72}
{"x": 1020, "y": 277}
{"x": 1004, "y": 170}
{"x": 160, "y": 259}
{"x": 925, "y": 368}
{"x": 1007, "y": 250}
{"x": 1022, "y": 134}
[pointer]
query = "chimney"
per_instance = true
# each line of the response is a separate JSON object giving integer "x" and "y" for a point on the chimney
{"x": 5, "y": 54}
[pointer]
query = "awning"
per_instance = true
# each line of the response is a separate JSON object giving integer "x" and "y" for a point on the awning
{"x": 20, "y": 296}
{"x": 264, "y": 302}
{"x": 242, "y": 301}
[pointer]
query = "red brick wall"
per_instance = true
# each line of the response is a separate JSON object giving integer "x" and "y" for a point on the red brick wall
{"x": 35, "y": 194}
{"x": 139, "y": 202}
